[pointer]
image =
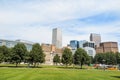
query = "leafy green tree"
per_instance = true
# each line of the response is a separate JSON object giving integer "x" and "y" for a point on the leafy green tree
{"x": 37, "y": 55}
{"x": 56, "y": 59}
{"x": 4, "y": 52}
{"x": 67, "y": 57}
{"x": 27, "y": 58}
{"x": 117, "y": 58}
{"x": 1, "y": 55}
{"x": 110, "y": 58}
{"x": 80, "y": 57}
{"x": 90, "y": 60}
{"x": 18, "y": 53}
{"x": 99, "y": 58}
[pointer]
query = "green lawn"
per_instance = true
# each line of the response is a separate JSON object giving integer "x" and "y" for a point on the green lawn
{"x": 55, "y": 73}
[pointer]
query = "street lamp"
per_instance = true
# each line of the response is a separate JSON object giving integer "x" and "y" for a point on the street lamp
{"x": 103, "y": 64}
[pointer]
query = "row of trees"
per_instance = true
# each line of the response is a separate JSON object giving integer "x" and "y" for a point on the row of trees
{"x": 108, "y": 58}
{"x": 81, "y": 57}
{"x": 19, "y": 54}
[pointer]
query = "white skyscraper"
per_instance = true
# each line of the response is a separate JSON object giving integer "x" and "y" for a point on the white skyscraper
{"x": 57, "y": 37}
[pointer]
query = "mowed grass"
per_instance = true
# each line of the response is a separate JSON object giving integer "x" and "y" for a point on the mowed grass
{"x": 56, "y": 73}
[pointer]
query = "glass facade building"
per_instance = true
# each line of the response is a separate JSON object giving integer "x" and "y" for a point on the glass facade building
{"x": 89, "y": 44}
{"x": 74, "y": 44}
{"x": 9, "y": 43}
{"x": 89, "y": 47}
{"x": 81, "y": 43}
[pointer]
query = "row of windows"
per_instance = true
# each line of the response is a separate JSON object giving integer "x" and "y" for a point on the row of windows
{"x": 10, "y": 44}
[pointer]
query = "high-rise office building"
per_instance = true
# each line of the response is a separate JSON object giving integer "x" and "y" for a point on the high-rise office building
{"x": 57, "y": 37}
{"x": 74, "y": 44}
{"x": 96, "y": 38}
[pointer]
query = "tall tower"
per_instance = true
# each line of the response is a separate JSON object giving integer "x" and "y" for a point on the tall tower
{"x": 57, "y": 37}
{"x": 96, "y": 38}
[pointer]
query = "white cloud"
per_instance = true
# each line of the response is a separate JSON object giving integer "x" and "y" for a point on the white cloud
{"x": 54, "y": 11}
{"x": 16, "y": 18}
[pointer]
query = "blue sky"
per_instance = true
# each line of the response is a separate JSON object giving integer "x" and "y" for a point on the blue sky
{"x": 34, "y": 20}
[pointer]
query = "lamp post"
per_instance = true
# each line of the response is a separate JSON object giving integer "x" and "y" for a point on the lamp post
{"x": 103, "y": 64}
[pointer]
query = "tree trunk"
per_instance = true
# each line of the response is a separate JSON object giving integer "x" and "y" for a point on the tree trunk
{"x": 81, "y": 66}
{"x": 66, "y": 65}
{"x": 28, "y": 65}
{"x": 37, "y": 64}
{"x": 73, "y": 66}
{"x": 16, "y": 64}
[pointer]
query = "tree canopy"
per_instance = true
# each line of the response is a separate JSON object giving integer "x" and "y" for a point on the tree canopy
{"x": 80, "y": 57}
{"x": 108, "y": 57}
{"x": 67, "y": 57}
{"x": 37, "y": 54}
{"x": 18, "y": 53}
{"x": 56, "y": 59}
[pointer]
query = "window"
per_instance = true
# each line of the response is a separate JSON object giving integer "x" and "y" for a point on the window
{"x": 0, "y": 43}
{"x": 90, "y": 52}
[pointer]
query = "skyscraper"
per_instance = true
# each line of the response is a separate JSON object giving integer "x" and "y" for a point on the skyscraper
{"x": 57, "y": 37}
{"x": 96, "y": 38}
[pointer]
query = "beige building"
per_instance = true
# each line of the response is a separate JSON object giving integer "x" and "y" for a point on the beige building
{"x": 107, "y": 47}
{"x": 50, "y": 51}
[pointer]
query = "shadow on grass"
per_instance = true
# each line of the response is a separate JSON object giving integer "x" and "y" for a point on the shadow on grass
{"x": 63, "y": 67}
{"x": 20, "y": 67}
{"x": 116, "y": 76}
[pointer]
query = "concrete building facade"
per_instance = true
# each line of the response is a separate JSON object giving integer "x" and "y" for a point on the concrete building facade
{"x": 57, "y": 37}
{"x": 50, "y": 51}
{"x": 107, "y": 47}
{"x": 90, "y": 51}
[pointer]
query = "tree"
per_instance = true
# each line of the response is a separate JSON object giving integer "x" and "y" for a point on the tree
{"x": 37, "y": 55}
{"x": 110, "y": 58}
{"x": 118, "y": 57}
{"x": 80, "y": 57}
{"x": 90, "y": 60}
{"x": 56, "y": 59}
{"x": 99, "y": 58}
{"x": 18, "y": 53}
{"x": 1, "y": 55}
{"x": 67, "y": 57}
{"x": 4, "y": 53}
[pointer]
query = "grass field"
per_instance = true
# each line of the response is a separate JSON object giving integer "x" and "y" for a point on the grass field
{"x": 56, "y": 73}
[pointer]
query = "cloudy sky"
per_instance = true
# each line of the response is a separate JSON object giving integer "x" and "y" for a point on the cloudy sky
{"x": 34, "y": 20}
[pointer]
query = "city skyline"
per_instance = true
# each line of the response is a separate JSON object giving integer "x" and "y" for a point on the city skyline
{"x": 34, "y": 20}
